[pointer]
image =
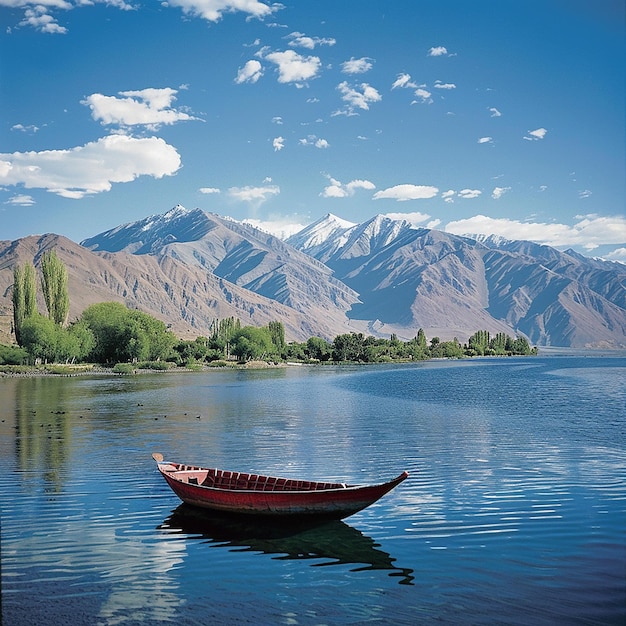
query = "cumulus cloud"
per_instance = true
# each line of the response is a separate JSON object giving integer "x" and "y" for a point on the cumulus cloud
{"x": 254, "y": 196}
{"x": 209, "y": 190}
{"x": 312, "y": 140}
{"x": 294, "y": 67}
{"x": 278, "y": 225}
{"x": 619, "y": 254}
{"x": 448, "y": 196}
{"x": 213, "y": 10}
{"x": 469, "y": 193}
{"x": 337, "y": 189}
{"x": 148, "y": 107}
{"x": 21, "y": 200}
{"x": 485, "y": 140}
{"x": 278, "y": 143}
{"x": 302, "y": 41}
{"x": 498, "y": 192}
{"x": 404, "y": 81}
{"x": 30, "y": 129}
{"x": 91, "y": 168}
{"x": 441, "y": 85}
{"x": 359, "y": 97}
{"x": 536, "y": 135}
{"x": 494, "y": 112}
{"x": 416, "y": 218}
{"x": 250, "y": 72}
{"x": 356, "y": 66}
{"x": 402, "y": 193}
{"x": 438, "y": 51}
{"x": 589, "y": 231}
{"x": 37, "y": 14}
{"x": 423, "y": 96}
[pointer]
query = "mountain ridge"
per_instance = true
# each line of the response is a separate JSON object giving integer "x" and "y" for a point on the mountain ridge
{"x": 380, "y": 277}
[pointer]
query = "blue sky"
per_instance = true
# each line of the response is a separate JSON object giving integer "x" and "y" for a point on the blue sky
{"x": 490, "y": 116}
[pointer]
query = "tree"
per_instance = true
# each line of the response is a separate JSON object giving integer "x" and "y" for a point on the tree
{"x": 54, "y": 285}
{"x": 251, "y": 342}
{"x": 277, "y": 334}
{"x": 40, "y": 338}
{"x": 24, "y": 297}
{"x": 122, "y": 335}
{"x": 318, "y": 348}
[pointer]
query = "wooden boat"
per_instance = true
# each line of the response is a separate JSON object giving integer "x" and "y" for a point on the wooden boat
{"x": 252, "y": 494}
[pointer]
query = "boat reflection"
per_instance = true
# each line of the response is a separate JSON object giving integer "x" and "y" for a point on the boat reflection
{"x": 333, "y": 540}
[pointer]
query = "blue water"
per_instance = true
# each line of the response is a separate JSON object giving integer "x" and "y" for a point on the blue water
{"x": 514, "y": 511}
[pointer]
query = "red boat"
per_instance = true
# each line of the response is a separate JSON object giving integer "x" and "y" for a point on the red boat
{"x": 252, "y": 494}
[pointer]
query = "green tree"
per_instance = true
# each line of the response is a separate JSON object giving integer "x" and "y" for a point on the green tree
{"x": 40, "y": 338}
{"x": 251, "y": 342}
{"x": 24, "y": 297}
{"x": 318, "y": 348}
{"x": 54, "y": 285}
{"x": 277, "y": 335}
{"x": 125, "y": 335}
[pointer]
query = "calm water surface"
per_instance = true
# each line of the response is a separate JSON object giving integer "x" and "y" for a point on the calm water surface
{"x": 514, "y": 511}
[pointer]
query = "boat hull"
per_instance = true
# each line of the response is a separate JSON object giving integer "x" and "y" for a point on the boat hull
{"x": 336, "y": 501}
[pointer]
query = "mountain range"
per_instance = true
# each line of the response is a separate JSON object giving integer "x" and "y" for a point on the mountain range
{"x": 381, "y": 277}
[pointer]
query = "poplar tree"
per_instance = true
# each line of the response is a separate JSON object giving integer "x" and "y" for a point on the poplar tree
{"x": 54, "y": 285}
{"x": 24, "y": 297}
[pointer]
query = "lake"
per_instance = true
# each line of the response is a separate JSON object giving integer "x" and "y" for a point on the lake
{"x": 514, "y": 511}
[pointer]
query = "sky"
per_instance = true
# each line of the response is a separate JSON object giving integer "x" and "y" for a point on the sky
{"x": 501, "y": 117}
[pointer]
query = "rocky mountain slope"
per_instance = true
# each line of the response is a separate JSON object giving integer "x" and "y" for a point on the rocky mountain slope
{"x": 188, "y": 297}
{"x": 409, "y": 278}
{"x": 380, "y": 277}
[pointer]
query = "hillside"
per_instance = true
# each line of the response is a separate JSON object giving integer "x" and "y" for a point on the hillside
{"x": 380, "y": 277}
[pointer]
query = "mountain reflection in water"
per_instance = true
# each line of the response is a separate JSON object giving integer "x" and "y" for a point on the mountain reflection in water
{"x": 295, "y": 539}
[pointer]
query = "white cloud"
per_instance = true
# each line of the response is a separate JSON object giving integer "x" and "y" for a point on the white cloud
{"x": 536, "y": 135}
{"x": 423, "y": 95}
{"x": 485, "y": 140}
{"x": 498, "y": 192}
{"x": 404, "y": 81}
{"x": 312, "y": 140}
{"x": 209, "y": 190}
{"x": 585, "y": 193}
{"x": 278, "y": 143}
{"x": 279, "y": 226}
{"x": 416, "y": 218}
{"x": 619, "y": 254}
{"x": 494, "y": 112}
{"x": 212, "y": 10}
{"x": 250, "y": 72}
{"x": 438, "y": 51}
{"x": 277, "y": 120}
{"x": 448, "y": 196}
{"x": 148, "y": 107}
{"x": 358, "y": 99}
{"x": 21, "y": 200}
{"x": 254, "y": 196}
{"x": 469, "y": 193}
{"x": 440, "y": 85}
{"x": 39, "y": 19}
{"x": 91, "y": 168}
{"x": 356, "y": 66}
{"x": 590, "y": 231}
{"x": 30, "y": 129}
{"x": 37, "y": 13}
{"x": 301, "y": 40}
{"x": 293, "y": 67}
{"x": 402, "y": 193}
{"x": 336, "y": 189}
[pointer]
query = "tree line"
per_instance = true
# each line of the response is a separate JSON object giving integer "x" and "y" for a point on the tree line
{"x": 109, "y": 333}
